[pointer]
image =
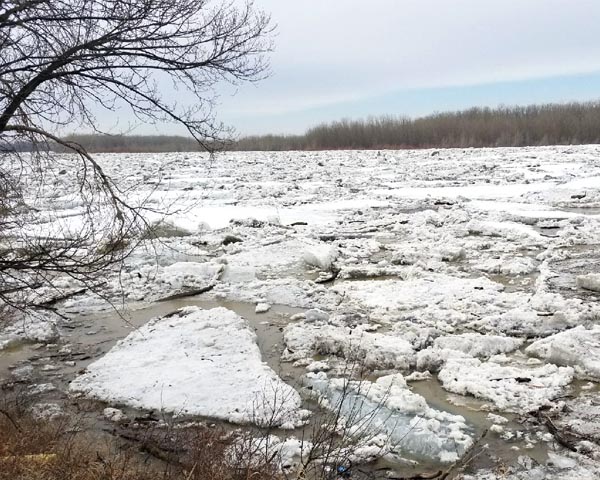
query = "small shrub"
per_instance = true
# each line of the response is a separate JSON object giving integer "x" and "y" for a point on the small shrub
{"x": 35, "y": 449}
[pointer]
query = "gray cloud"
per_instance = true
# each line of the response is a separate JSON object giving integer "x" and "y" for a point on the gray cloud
{"x": 333, "y": 51}
{"x": 332, "y": 54}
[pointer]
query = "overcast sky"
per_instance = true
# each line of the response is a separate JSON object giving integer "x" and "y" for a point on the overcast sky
{"x": 350, "y": 58}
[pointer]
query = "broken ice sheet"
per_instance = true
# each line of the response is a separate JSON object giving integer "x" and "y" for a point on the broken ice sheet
{"x": 30, "y": 327}
{"x": 578, "y": 347}
{"x": 510, "y": 388}
{"x": 194, "y": 362}
{"x": 559, "y": 466}
{"x": 387, "y": 406}
{"x": 376, "y": 351}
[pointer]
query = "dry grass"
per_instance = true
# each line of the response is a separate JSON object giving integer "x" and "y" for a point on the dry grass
{"x": 42, "y": 450}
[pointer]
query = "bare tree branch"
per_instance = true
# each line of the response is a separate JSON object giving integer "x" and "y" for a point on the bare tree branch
{"x": 63, "y": 60}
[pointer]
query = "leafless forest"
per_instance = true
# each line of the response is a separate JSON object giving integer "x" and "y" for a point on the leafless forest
{"x": 533, "y": 125}
{"x": 515, "y": 126}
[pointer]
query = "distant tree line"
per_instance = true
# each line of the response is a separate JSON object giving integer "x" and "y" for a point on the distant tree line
{"x": 513, "y": 126}
{"x": 551, "y": 124}
{"x": 135, "y": 143}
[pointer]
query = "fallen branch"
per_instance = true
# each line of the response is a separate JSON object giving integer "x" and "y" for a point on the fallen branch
{"x": 561, "y": 438}
{"x": 11, "y": 420}
{"x": 60, "y": 298}
{"x": 462, "y": 463}
{"x": 189, "y": 293}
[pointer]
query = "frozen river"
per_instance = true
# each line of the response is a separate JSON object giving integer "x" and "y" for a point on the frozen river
{"x": 464, "y": 283}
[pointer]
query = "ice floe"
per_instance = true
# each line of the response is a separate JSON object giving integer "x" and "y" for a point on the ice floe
{"x": 388, "y": 406}
{"x": 509, "y": 388}
{"x": 30, "y": 327}
{"x": 193, "y": 362}
{"x": 578, "y": 347}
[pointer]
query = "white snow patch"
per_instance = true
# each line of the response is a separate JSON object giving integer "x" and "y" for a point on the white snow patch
{"x": 395, "y": 411}
{"x": 194, "y": 362}
{"x": 578, "y": 347}
{"x": 591, "y": 281}
{"x": 114, "y": 415}
{"x": 509, "y": 388}
{"x": 30, "y": 327}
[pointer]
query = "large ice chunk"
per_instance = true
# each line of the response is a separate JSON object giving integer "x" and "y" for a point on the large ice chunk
{"x": 510, "y": 230}
{"x": 152, "y": 282}
{"x": 387, "y": 406}
{"x": 591, "y": 281}
{"x": 478, "y": 345}
{"x": 436, "y": 295}
{"x": 465, "y": 345}
{"x": 193, "y": 362}
{"x": 30, "y": 327}
{"x": 373, "y": 350}
{"x": 509, "y": 388}
{"x": 577, "y": 347}
{"x": 320, "y": 255}
{"x": 507, "y": 265}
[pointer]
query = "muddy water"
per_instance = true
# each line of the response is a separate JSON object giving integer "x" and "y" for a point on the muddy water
{"x": 476, "y": 413}
{"x": 89, "y": 337}
{"x": 514, "y": 283}
{"x": 582, "y": 210}
{"x": 14, "y": 355}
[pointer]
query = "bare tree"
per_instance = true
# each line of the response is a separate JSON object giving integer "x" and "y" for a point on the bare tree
{"x": 62, "y": 60}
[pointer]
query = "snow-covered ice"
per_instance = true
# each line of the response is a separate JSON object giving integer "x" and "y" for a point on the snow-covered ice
{"x": 32, "y": 327}
{"x": 371, "y": 349}
{"x": 321, "y": 256}
{"x": 388, "y": 406}
{"x": 475, "y": 270}
{"x": 193, "y": 362}
{"x": 559, "y": 466}
{"x": 478, "y": 345}
{"x": 578, "y": 347}
{"x": 509, "y": 388}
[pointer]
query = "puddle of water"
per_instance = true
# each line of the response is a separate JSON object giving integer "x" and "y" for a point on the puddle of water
{"x": 90, "y": 337}
{"x": 475, "y": 411}
{"x": 582, "y": 210}
{"x": 93, "y": 335}
{"x": 514, "y": 283}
